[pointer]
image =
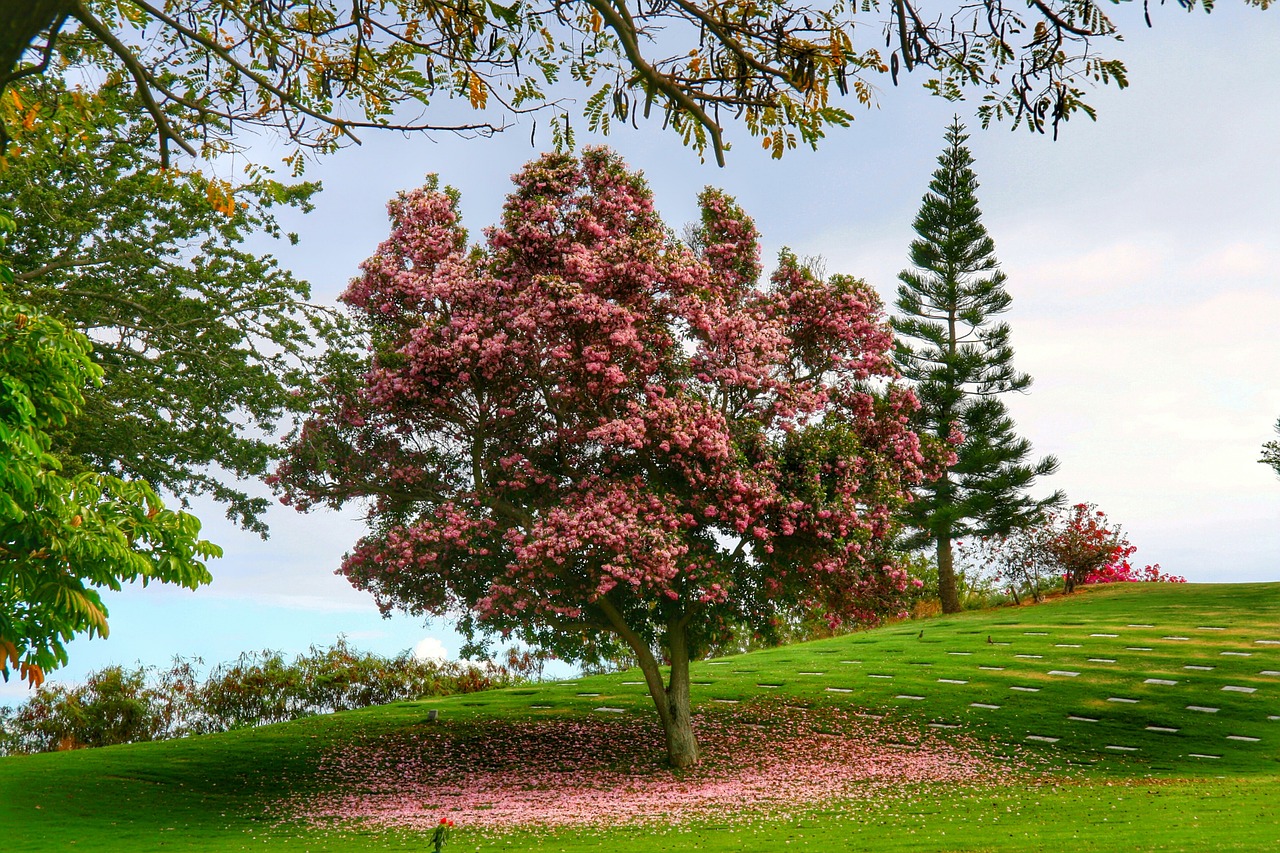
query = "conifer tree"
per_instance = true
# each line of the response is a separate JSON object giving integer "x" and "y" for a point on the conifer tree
{"x": 960, "y": 360}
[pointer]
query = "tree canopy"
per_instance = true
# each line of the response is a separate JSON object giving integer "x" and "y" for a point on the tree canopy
{"x": 63, "y": 536}
{"x": 1271, "y": 452}
{"x": 320, "y": 71}
{"x": 960, "y": 361}
{"x": 197, "y": 338}
{"x": 593, "y": 436}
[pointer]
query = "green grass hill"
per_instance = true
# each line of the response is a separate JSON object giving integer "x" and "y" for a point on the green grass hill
{"x": 1132, "y": 717}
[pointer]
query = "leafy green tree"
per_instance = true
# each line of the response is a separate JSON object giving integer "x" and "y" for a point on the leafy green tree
{"x": 959, "y": 358}
{"x": 1271, "y": 452}
{"x": 196, "y": 337}
{"x": 62, "y": 536}
{"x": 321, "y": 70}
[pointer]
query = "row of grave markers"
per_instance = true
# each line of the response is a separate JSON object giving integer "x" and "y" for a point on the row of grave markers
{"x": 1048, "y": 739}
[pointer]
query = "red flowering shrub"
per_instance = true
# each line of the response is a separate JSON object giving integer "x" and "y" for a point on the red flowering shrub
{"x": 1081, "y": 546}
{"x": 1087, "y": 549}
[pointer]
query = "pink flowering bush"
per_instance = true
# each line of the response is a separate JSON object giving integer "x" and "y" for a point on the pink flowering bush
{"x": 1080, "y": 546}
{"x": 605, "y": 441}
{"x": 1088, "y": 549}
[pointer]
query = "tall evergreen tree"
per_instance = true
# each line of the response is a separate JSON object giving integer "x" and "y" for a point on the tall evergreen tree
{"x": 960, "y": 360}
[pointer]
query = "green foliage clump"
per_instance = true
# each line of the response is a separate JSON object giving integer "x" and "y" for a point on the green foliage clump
{"x": 1271, "y": 452}
{"x": 118, "y": 705}
{"x": 197, "y": 338}
{"x": 65, "y": 535}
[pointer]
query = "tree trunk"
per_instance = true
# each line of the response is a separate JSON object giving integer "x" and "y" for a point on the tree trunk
{"x": 947, "y": 589}
{"x": 20, "y": 23}
{"x": 671, "y": 701}
{"x": 682, "y": 746}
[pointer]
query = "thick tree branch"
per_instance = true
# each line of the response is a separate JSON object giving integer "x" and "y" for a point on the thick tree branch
{"x": 142, "y": 79}
{"x": 619, "y": 20}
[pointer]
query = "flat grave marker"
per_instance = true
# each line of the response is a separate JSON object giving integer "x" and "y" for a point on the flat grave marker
{"x": 1066, "y": 672}
{"x": 1244, "y": 738}
{"x": 1165, "y": 729}
{"x": 1043, "y": 738}
{"x": 1123, "y": 699}
{"x": 984, "y": 705}
{"x": 1198, "y": 667}
{"x": 1074, "y": 718}
{"x": 1025, "y": 689}
{"x": 1102, "y": 660}
{"x": 1204, "y": 709}
{"x": 1165, "y": 681}
{"x": 951, "y": 681}
{"x": 1236, "y": 654}
{"x": 1106, "y": 635}
{"x": 1231, "y": 688}
{"x": 1118, "y": 748}
{"x": 993, "y": 668}
{"x": 838, "y": 689}
{"x": 909, "y": 696}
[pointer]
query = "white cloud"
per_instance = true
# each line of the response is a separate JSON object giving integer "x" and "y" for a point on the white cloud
{"x": 429, "y": 648}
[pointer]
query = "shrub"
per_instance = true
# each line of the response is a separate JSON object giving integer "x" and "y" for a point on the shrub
{"x": 117, "y": 705}
{"x": 1080, "y": 546}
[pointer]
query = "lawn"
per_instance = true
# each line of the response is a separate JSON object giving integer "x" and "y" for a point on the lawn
{"x": 1136, "y": 717}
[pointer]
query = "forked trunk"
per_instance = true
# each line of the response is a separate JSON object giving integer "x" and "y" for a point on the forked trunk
{"x": 671, "y": 700}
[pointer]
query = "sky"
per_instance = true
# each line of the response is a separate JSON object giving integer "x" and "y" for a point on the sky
{"x": 1142, "y": 253}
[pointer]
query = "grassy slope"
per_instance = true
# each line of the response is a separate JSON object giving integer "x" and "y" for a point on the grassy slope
{"x": 209, "y": 793}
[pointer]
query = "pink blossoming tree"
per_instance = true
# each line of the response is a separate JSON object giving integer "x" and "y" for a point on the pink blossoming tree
{"x": 591, "y": 435}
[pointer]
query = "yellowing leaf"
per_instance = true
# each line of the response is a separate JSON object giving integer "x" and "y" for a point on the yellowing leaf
{"x": 476, "y": 91}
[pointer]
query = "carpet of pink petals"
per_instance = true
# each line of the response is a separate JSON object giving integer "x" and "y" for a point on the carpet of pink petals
{"x": 582, "y": 772}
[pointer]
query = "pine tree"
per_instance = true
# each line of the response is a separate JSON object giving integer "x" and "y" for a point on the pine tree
{"x": 960, "y": 361}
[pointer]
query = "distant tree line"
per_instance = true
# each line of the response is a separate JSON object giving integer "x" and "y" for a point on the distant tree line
{"x": 119, "y": 705}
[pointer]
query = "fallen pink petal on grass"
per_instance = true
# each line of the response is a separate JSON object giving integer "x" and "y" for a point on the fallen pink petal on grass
{"x": 504, "y": 775}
